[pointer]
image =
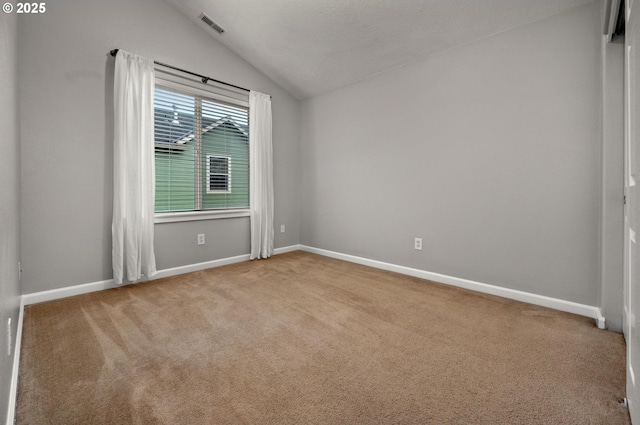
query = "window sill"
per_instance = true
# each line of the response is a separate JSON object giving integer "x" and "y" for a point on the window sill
{"x": 199, "y": 215}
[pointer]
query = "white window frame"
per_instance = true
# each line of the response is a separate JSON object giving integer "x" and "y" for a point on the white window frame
{"x": 209, "y": 173}
{"x": 169, "y": 80}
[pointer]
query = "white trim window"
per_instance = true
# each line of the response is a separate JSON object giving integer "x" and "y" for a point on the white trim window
{"x": 201, "y": 151}
{"x": 218, "y": 174}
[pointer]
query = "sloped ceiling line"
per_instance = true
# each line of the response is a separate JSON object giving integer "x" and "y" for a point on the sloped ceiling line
{"x": 313, "y": 46}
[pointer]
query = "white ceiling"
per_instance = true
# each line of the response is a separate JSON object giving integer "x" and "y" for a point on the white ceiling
{"x": 313, "y": 46}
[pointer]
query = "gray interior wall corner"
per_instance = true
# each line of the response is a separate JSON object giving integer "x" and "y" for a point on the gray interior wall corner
{"x": 612, "y": 220}
{"x": 9, "y": 200}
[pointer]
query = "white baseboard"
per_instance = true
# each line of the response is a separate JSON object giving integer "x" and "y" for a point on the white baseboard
{"x": 13, "y": 389}
{"x": 600, "y": 320}
{"x": 285, "y": 249}
{"x": 216, "y": 263}
{"x": 200, "y": 266}
{"x": 541, "y": 300}
{"x": 69, "y": 291}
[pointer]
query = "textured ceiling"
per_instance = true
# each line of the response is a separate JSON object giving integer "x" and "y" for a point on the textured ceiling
{"x": 313, "y": 46}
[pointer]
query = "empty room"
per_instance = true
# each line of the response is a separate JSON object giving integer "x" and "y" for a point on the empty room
{"x": 319, "y": 212}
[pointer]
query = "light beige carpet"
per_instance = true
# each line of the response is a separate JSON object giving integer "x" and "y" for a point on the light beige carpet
{"x": 304, "y": 339}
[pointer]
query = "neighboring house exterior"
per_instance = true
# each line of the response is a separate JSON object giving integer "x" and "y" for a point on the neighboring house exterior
{"x": 224, "y": 159}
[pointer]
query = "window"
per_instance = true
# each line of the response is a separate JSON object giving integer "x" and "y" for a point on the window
{"x": 218, "y": 174}
{"x": 201, "y": 150}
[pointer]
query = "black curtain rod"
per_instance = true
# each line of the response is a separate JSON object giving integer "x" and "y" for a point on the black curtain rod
{"x": 204, "y": 78}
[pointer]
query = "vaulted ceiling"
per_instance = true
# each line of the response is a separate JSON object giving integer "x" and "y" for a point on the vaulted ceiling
{"x": 313, "y": 46}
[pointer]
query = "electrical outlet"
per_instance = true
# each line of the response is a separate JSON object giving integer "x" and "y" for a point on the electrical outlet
{"x": 417, "y": 244}
{"x": 201, "y": 239}
{"x": 282, "y": 228}
{"x": 9, "y": 337}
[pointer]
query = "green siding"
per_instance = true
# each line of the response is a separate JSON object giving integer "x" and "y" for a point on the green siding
{"x": 175, "y": 173}
{"x": 175, "y": 180}
{"x": 227, "y": 140}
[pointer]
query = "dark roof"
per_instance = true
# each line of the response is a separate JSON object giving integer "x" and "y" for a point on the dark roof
{"x": 167, "y": 131}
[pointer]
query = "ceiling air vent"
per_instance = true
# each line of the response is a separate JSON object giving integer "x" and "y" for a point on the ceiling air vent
{"x": 207, "y": 20}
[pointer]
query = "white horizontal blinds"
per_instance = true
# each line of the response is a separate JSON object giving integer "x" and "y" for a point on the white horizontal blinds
{"x": 225, "y": 152}
{"x": 175, "y": 152}
{"x": 202, "y": 152}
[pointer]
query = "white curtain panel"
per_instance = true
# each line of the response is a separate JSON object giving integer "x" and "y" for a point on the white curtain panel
{"x": 133, "y": 169}
{"x": 261, "y": 175}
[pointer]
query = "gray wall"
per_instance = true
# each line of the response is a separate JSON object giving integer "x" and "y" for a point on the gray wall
{"x": 612, "y": 239}
{"x": 9, "y": 199}
{"x": 66, "y": 98}
{"x": 632, "y": 266}
{"x": 490, "y": 152}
